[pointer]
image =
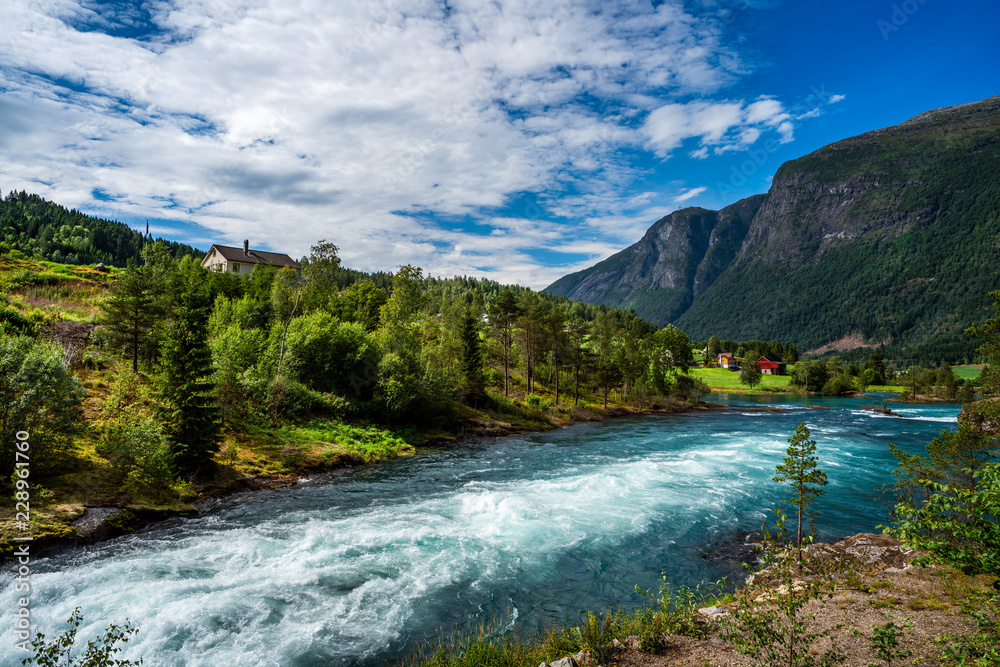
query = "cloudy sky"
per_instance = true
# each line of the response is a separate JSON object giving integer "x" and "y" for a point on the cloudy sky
{"x": 514, "y": 139}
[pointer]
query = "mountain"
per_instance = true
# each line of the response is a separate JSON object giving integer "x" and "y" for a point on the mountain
{"x": 889, "y": 238}
{"x": 40, "y": 228}
{"x": 679, "y": 257}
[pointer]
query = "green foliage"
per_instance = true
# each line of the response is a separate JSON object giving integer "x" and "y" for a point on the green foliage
{"x": 37, "y": 395}
{"x": 329, "y": 356}
{"x": 130, "y": 312}
{"x": 43, "y": 229}
{"x": 771, "y": 627}
{"x": 689, "y": 389}
{"x": 749, "y": 371}
{"x": 980, "y": 648}
{"x": 131, "y": 438}
{"x": 989, "y": 381}
{"x": 287, "y": 399}
{"x": 187, "y": 369}
{"x": 958, "y": 526}
{"x": 800, "y": 470}
{"x": 471, "y": 357}
{"x": 885, "y": 641}
{"x": 100, "y": 652}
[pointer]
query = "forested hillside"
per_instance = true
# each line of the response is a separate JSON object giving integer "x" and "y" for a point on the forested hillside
{"x": 40, "y": 228}
{"x": 889, "y": 238}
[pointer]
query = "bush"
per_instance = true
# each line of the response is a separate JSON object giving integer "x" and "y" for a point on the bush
{"x": 287, "y": 398}
{"x": 689, "y": 389}
{"x": 132, "y": 439}
{"x": 37, "y": 395}
{"x": 838, "y": 386}
{"x": 99, "y": 652}
{"x": 331, "y": 356}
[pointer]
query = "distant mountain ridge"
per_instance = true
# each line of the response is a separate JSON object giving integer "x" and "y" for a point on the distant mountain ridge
{"x": 889, "y": 237}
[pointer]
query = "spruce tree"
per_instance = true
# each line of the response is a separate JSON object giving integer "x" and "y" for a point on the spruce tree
{"x": 187, "y": 364}
{"x": 471, "y": 356}
{"x": 800, "y": 471}
{"x": 130, "y": 311}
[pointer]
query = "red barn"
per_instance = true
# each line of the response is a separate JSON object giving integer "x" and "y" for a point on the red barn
{"x": 771, "y": 366}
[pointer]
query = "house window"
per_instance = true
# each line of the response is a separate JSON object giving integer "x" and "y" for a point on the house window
{"x": 236, "y": 268}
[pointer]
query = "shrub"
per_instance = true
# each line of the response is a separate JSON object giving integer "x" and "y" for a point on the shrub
{"x": 37, "y": 395}
{"x": 132, "y": 439}
{"x": 287, "y": 398}
{"x": 99, "y": 652}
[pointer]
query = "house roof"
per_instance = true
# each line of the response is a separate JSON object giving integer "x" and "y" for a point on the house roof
{"x": 771, "y": 359}
{"x": 726, "y": 354}
{"x": 231, "y": 254}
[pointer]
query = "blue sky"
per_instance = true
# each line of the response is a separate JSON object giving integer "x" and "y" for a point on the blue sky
{"x": 514, "y": 139}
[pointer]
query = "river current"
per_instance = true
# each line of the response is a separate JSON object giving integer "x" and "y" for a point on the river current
{"x": 356, "y": 568}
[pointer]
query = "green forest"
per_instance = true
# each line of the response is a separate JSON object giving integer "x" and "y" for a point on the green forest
{"x": 33, "y": 227}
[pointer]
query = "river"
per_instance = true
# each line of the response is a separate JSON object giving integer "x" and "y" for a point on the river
{"x": 357, "y": 568}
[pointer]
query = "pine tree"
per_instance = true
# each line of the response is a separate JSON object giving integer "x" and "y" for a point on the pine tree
{"x": 130, "y": 311}
{"x": 471, "y": 356}
{"x": 800, "y": 471}
{"x": 187, "y": 363}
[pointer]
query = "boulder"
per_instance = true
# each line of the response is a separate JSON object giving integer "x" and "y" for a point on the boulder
{"x": 94, "y": 525}
{"x": 568, "y": 661}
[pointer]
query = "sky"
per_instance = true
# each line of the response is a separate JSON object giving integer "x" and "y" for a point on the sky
{"x": 518, "y": 140}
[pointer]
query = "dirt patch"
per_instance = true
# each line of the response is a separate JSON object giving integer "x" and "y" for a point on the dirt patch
{"x": 845, "y": 344}
{"x": 879, "y": 584}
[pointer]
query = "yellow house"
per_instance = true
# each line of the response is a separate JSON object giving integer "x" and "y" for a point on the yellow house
{"x": 244, "y": 260}
{"x": 728, "y": 360}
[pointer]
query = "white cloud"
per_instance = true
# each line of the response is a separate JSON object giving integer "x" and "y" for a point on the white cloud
{"x": 286, "y": 122}
{"x": 724, "y": 126}
{"x": 689, "y": 194}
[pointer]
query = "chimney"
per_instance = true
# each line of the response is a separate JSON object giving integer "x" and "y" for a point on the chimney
{"x": 246, "y": 247}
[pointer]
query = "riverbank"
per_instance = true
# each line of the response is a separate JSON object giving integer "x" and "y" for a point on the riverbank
{"x": 81, "y": 507}
{"x": 846, "y": 596}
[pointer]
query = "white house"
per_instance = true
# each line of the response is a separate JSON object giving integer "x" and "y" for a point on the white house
{"x": 244, "y": 260}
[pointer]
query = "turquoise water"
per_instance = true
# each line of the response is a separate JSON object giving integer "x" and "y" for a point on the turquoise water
{"x": 354, "y": 569}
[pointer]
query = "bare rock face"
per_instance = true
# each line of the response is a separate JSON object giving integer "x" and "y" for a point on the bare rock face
{"x": 679, "y": 257}
{"x": 868, "y": 549}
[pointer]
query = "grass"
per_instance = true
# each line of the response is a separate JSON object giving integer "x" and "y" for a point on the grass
{"x": 720, "y": 378}
{"x": 970, "y": 372}
{"x": 48, "y": 292}
{"x": 673, "y": 613}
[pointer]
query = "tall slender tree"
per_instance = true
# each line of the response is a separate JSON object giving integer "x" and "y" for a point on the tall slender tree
{"x": 129, "y": 312}
{"x": 503, "y": 313}
{"x": 187, "y": 364}
{"x": 801, "y": 472}
{"x": 471, "y": 357}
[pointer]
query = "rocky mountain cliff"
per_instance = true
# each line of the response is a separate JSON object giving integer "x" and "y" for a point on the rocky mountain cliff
{"x": 890, "y": 237}
{"x": 677, "y": 259}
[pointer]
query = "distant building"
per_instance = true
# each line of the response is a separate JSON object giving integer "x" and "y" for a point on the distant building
{"x": 244, "y": 260}
{"x": 728, "y": 360}
{"x": 772, "y": 366}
